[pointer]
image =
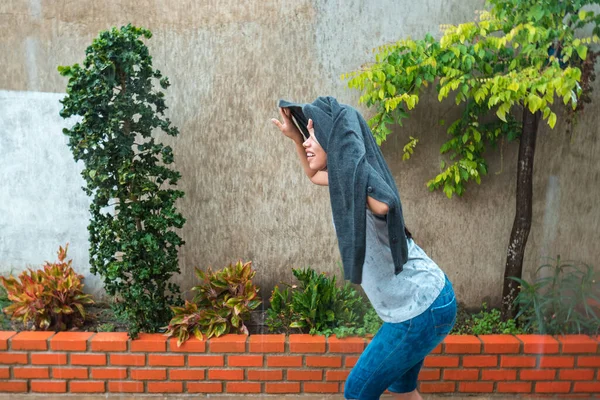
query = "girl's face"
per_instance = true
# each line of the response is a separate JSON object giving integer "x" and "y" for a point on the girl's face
{"x": 316, "y": 156}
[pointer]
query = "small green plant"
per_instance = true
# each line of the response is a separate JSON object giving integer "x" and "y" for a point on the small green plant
{"x": 371, "y": 321}
{"x": 280, "y": 315}
{"x": 370, "y": 325}
{"x": 222, "y": 303}
{"x": 484, "y": 322}
{"x": 318, "y": 306}
{"x": 562, "y": 299}
{"x": 51, "y": 298}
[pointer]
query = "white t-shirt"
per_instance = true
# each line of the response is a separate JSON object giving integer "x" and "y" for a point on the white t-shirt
{"x": 397, "y": 298}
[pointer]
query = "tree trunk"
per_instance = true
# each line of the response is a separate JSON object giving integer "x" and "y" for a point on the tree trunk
{"x": 522, "y": 222}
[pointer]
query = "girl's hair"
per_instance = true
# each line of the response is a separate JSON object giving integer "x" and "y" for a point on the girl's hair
{"x": 407, "y": 233}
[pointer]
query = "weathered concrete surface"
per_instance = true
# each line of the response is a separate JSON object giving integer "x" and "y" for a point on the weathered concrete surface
{"x": 41, "y": 205}
{"x": 246, "y": 197}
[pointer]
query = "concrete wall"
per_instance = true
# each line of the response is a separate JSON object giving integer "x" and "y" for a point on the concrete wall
{"x": 41, "y": 204}
{"x": 246, "y": 197}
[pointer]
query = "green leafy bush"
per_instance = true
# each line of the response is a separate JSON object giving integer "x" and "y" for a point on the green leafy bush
{"x": 562, "y": 299}
{"x": 280, "y": 315}
{"x": 485, "y": 322}
{"x": 318, "y": 306}
{"x": 371, "y": 321}
{"x": 133, "y": 244}
{"x": 222, "y": 303}
{"x": 51, "y": 298}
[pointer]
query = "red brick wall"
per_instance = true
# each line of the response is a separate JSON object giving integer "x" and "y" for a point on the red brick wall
{"x": 81, "y": 362}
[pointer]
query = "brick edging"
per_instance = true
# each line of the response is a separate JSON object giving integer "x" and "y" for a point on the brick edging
{"x": 86, "y": 362}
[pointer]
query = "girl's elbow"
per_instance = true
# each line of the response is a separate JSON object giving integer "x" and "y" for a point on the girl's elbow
{"x": 383, "y": 209}
{"x": 377, "y": 207}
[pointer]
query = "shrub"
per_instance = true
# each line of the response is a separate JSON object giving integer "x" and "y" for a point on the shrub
{"x": 133, "y": 243}
{"x": 371, "y": 321}
{"x": 280, "y": 315}
{"x": 485, "y": 322}
{"x": 563, "y": 301}
{"x": 222, "y": 303}
{"x": 319, "y": 306}
{"x": 51, "y": 298}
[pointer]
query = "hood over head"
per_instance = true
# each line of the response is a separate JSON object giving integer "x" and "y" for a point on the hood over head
{"x": 323, "y": 111}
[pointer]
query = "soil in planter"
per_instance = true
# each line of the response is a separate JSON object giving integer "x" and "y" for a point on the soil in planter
{"x": 100, "y": 318}
{"x": 256, "y": 324}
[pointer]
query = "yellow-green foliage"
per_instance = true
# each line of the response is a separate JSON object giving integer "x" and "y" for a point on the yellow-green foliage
{"x": 520, "y": 53}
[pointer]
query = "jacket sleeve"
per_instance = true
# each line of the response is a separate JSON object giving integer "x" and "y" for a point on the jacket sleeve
{"x": 378, "y": 188}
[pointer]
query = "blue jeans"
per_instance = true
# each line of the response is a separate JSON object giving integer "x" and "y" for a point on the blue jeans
{"x": 394, "y": 357}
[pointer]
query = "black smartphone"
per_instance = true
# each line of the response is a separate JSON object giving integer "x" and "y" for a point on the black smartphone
{"x": 297, "y": 116}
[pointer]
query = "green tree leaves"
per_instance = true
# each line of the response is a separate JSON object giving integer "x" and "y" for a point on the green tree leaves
{"x": 133, "y": 245}
{"x": 519, "y": 54}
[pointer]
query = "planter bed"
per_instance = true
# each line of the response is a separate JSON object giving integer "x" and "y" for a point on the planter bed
{"x": 86, "y": 362}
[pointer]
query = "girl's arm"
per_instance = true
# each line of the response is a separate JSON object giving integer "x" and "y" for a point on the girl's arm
{"x": 322, "y": 178}
{"x": 377, "y": 207}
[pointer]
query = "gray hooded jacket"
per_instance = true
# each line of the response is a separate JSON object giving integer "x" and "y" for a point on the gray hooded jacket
{"x": 356, "y": 169}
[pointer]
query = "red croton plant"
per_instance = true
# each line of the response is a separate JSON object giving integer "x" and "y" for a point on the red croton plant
{"x": 51, "y": 298}
{"x": 223, "y": 300}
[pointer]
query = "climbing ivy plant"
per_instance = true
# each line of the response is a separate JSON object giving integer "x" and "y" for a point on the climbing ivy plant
{"x": 506, "y": 70}
{"x": 133, "y": 244}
